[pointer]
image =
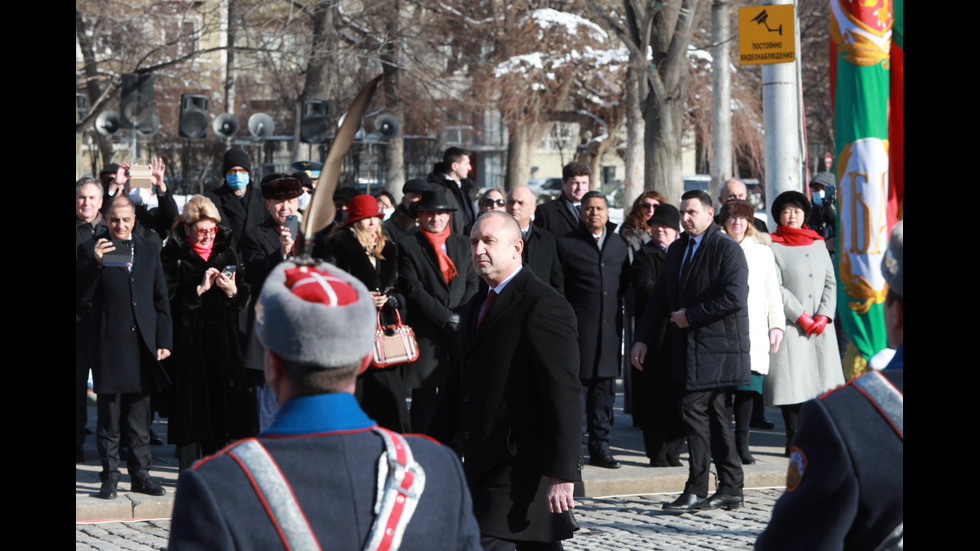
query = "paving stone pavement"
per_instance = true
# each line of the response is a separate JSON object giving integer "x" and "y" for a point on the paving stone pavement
{"x": 611, "y": 523}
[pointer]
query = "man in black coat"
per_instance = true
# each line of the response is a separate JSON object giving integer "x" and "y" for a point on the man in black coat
{"x": 88, "y": 224}
{"x": 513, "y": 397}
{"x": 263, "y": 248}
{"x": 451, "y": 176}
{"x": 702, "y": 296}
{"x": 596, "y": 268}
{"x": 540, "y": 246}
{"x": 131, "y": 332}
{"x": 437, "y": 279}
{"x": 560, "y": 215}
{"x": 239, "y": 201}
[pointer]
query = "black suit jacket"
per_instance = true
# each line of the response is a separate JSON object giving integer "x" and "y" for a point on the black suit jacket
{"x": 260, "y": 251}
{"x": 432, "y": 301}
{"x": 121, "y": 300}
{"x": 555, "y": 217}
{"x": 237, "y": 217}
{"x": 514, "y": 397}
{"x": 542, "y": 256}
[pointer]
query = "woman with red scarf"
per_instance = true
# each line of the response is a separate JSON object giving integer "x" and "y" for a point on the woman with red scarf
{"x": 210, "y": 394}
{"x": 808, "y": 361}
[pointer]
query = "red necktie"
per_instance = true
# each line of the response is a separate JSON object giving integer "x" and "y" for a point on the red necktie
{"x": 486, "y": 306}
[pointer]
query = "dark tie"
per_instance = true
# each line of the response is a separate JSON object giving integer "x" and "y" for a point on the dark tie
{"x": 687, "y": 259}
{"x": 486, "y": 306}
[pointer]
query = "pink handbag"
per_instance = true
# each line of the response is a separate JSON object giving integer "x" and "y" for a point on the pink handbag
{"x": 394, "y": 344}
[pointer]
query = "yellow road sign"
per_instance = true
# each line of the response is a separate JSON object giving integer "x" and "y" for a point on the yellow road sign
{"x": 766, "y": 34}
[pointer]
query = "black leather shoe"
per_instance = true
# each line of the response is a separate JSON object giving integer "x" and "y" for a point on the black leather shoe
{"x": 149, "y": 487}
{"x": 659, "y": 463}
{"x": 605, "y": 461}
{"x": 108, "y": 490}
{"x": 761, "y": 424}
{"x": 722, "y": 501}
{"x": 686, "y": 503}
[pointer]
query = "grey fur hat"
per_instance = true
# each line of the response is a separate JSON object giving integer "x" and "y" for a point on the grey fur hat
{"x": 319, "y": 316}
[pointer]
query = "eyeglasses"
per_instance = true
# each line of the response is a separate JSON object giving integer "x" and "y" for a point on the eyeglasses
{"x": 652, "y": 206}
{"x": 492, "y": 202}
{"x": 203, "y": 232}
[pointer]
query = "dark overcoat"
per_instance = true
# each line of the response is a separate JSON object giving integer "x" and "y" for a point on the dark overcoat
{"x": 210, "y": 394}
{"x": 431, "y": 302}
{"x": 595, "y": 281}
{"x": 514, "y": 398}
{"x": 240, "y": 216}
{"x": 130, "y": 318}
{"x": 713, "y": 352}
{"x": 555, "y": 217}
{"x": 260, "y": 252}
{"x": 541, "y": 255}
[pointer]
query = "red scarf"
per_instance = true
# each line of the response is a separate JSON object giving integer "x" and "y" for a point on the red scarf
{"x": 201, "y": 250}
{"x": 437, "y": 240}
{"x": 795, "y": 237}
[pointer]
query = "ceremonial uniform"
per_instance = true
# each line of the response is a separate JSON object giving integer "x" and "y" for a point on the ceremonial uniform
{"x": 845, "y": 485}
{"x": 217, "y": 507}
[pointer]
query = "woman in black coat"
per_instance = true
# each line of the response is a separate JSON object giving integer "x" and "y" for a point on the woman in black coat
{"x": 361, "y": 248}
{"x": 210, "y": 393}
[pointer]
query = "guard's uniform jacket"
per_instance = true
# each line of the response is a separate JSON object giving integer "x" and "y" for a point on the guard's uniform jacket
{"x": 845, "y": 483}
{"x": 327, "y": 450}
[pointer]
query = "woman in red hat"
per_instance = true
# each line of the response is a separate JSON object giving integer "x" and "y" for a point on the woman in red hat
{"x": 362, "y": 248}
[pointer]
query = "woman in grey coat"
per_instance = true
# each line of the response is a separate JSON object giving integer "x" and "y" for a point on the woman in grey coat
{"x": 808, "y": 362}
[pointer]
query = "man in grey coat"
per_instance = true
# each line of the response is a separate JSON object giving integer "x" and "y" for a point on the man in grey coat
{"x": 701, "y": 295}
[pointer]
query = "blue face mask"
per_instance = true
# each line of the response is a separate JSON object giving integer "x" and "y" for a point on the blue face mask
{"x": 237, "y": 180}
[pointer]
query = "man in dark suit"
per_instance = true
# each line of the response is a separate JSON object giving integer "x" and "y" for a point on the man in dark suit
{"x": 513, "y": 398}
{"x": 437, "y": 279}
{"x": 324, "y": 475}
{"x": 701, "y": 296}
{"x": 452, "y": 177}
{"x": 596, "y": 269}
{"x": 263, "y": 248}
{"x": 239, "y": 201}
{"x": 131, "y": 333}
{"x": 540, "y": 247}
{"x": 560, "y": 216}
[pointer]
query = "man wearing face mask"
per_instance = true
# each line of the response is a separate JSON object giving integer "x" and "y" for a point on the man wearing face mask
{"x": 238, "y": 199}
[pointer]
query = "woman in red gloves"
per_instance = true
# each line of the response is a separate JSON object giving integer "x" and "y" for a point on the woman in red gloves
{"x": 808, "y": 360}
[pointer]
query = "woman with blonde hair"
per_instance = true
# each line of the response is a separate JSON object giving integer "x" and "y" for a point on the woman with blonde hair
{"x": 362, "y": 248}
{"x": 209, "y": 404}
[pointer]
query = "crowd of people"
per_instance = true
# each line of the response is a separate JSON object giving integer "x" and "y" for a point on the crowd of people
{"x": 520, "y": 311}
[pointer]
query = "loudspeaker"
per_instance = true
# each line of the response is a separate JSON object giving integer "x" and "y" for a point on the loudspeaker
{"x": 225, "y": 125}
{"x": 107, "y": 123}
{"x": 148, "y": 130}
{"x": 314, "y": 123}
{"x": 261, "y": 125}
{"x": 386, "y": 126}
{"x": 193, "y": 116}
{"x": 136, "y": 104}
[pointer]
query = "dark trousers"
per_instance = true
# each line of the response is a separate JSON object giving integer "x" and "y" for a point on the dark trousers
{"x": 598, "y": 397}
{"x": 709, "y": 435}
{"x": 82, "y": 364}
{"x": 127, "y": 414}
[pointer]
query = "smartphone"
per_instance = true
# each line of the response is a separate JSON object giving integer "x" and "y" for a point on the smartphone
{"x": 292, "y": 224}
{"x": 229, "y": 270}
{"x": 139, "y": 176}
{"x": 122, "y": 256}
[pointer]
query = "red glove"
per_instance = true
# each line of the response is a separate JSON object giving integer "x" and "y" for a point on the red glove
{"x": 819, "y": 324}
{"x": 806, "y": 322}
